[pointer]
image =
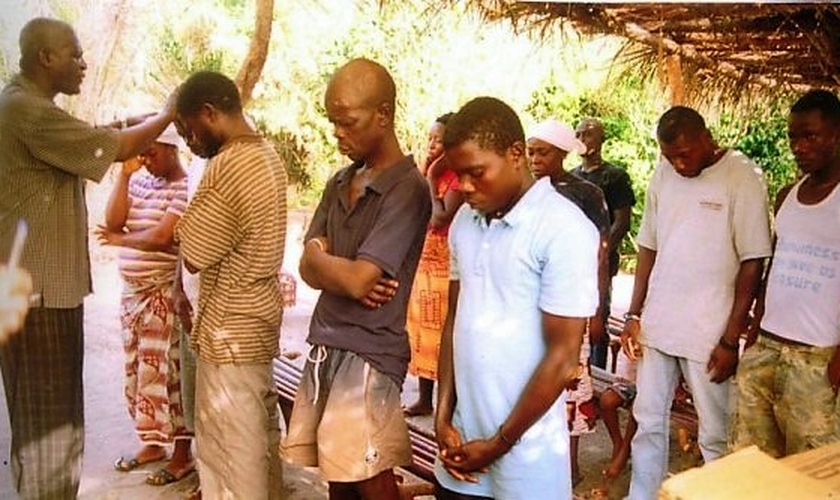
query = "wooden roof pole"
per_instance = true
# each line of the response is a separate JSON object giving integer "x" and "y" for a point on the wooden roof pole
{"x": 674, "y": 79}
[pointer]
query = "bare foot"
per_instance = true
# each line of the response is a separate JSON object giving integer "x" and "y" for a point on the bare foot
{"x": 618, "y": 463}
{"x": 614, "y": 469}
{"x": 417, "y": 409}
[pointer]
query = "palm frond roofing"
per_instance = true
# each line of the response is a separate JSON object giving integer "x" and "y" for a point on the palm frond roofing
{"x": 725, "y": 48}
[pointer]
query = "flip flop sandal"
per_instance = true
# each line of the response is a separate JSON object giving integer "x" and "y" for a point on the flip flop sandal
{"x": 162, "y": 477}
{"x": 127, "y": 465}
{"x": 123, "y": 465}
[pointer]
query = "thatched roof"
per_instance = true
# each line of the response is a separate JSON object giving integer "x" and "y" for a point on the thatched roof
{"x": 727, "y": 48}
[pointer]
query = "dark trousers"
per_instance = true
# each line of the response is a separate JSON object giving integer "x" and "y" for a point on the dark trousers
{"x": 42, "y": 375}
{"x": 598, "y": 353}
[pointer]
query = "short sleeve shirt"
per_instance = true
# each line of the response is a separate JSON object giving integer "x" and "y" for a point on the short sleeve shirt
{"x": 45, "y": 156}
{"x": 234, "y": 232}
{"x": 618, "y": 193}
{"x": 702, "y": 229}
{"x": 541, "y": 257}
{"x": 387, "y": 227}
{"x": 589, "y": 198}
{"x": 151, "y": 198}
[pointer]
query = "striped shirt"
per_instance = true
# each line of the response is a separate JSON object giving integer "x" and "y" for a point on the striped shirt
{"x": 234, "y": 232}
{"x": 45, "y": 155}
{"x": 151, "y": 198}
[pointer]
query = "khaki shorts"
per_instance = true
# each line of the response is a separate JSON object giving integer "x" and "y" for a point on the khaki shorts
{"x": 350, "y": 422}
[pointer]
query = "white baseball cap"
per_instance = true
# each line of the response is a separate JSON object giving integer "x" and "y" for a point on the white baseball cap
{"x": 558, "y": 135}
{"x": 170, "y": 136}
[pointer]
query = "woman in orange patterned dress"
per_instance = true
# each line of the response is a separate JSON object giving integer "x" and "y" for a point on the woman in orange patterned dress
{"x": 429, "y": 295}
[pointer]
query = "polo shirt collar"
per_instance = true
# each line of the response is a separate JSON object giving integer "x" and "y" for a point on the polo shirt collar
{"x": 521, "y": 211}
{"x": 384, "y": 181}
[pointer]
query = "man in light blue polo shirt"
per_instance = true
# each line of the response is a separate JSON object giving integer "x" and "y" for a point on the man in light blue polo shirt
{"x": 524, "y": 280}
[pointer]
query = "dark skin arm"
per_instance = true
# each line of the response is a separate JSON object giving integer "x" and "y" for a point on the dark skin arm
{"x": 556, "y": 371}
{"x": 619, "y": 227}
{"x": 645, "y": 261}
{"x": 136, "y": 138}
{"x": 447, "y": 435}
{"x": 116, "y": 212}
{"x": 159, "y": 237}
{"x": 443, "y": 209}
{"x": 833, "y": 370}
{"x": 597, "y": 328}
{"x": 180, "y": 303}
{"x": 358, "y": 279}
{"x": 753, "y": 327}
{"x": 723, "y": 361}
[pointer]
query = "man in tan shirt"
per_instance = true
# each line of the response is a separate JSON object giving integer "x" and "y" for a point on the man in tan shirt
{"x": 45, "y": 156}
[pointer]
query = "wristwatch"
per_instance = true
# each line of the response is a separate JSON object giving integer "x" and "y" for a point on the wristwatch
{"x": 628, "y": 316}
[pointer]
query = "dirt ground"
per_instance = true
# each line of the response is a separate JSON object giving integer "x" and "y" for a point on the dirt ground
{"x": 109, "y": 431}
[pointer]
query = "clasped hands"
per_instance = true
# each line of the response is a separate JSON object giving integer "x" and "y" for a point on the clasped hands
{"x": 463, "y": 460}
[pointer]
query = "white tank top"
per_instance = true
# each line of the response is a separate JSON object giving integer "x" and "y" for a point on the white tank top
{"x": 803, "y": 289}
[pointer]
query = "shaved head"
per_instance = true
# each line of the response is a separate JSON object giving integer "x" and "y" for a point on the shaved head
{"x": 591, "y": 124}
{"x": 362, "y": 83}
{"x": 40, "y": 34}
{"x": 360, "y": 101}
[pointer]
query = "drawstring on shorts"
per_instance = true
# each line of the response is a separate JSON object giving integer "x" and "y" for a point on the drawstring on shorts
{"x": 319, "y": 357}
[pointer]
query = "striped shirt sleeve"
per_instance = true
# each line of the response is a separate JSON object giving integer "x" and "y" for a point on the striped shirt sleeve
{"x": 208, "y": 230}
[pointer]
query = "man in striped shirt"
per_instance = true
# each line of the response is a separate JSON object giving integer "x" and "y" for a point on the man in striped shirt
{"x": 233, "y": 233}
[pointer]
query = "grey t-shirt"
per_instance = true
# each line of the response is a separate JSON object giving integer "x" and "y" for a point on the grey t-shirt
{"x": 387, "y": 227}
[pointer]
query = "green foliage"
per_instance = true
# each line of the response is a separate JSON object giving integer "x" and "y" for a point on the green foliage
{"x": 628, "y": 108}
{"x": 183, "y": 55}
{"x": 763, "y": 138}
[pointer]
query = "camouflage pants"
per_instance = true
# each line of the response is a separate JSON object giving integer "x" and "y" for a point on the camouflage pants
{"x": 785, "y": 402}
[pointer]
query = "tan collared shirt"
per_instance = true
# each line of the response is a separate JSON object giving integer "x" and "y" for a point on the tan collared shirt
{"x": 45, "y": 156}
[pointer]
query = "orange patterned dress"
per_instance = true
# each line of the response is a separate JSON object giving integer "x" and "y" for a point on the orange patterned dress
{"x": 429, "y": 296}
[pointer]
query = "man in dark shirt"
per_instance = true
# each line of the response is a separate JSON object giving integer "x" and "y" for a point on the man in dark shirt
{"x": 618, "y": 192}
{"x": 361, "y": 251}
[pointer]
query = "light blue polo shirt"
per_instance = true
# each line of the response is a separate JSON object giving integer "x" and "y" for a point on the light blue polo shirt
{"x": 540, "y": 257}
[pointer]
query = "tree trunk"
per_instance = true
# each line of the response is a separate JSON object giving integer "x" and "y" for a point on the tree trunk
{"x": 252, "y": 66}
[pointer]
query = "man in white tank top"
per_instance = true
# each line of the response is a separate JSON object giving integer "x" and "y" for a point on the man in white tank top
{"x": 788, "y": 380}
